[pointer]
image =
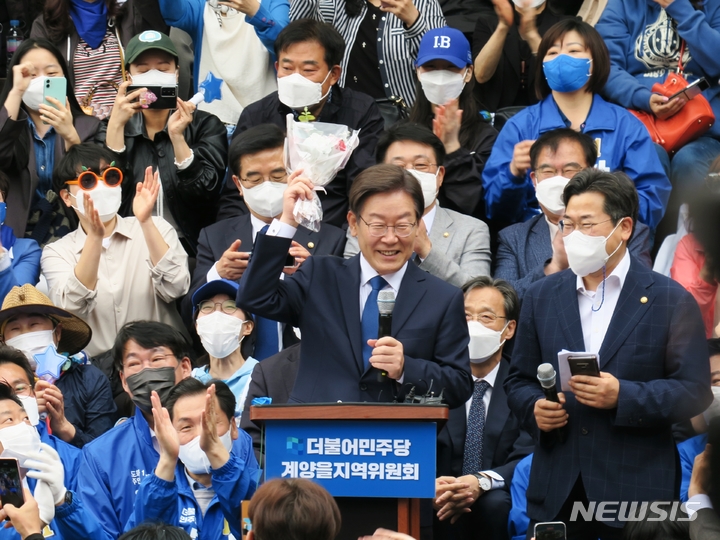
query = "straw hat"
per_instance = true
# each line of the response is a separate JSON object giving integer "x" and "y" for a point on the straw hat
{"x": 27, "y": 300}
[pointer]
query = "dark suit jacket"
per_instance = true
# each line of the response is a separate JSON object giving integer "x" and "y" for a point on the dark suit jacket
{"x": 505, "y": 441}
{"x": 657, "y": 350}
{"x": 216, "y": 239}
{"x": 274, "y": 377}
{"x": 705, "y": 526}
{"x": 524, "y": 248}
{"x": 322, "y": 299}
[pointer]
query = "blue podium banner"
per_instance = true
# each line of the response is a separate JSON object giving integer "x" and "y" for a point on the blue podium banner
{"x": 355, "y": 458}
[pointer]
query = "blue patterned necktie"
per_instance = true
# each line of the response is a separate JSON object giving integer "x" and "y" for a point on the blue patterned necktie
{"x": 472, "y": 458}
{"x": 266, "y": 332}
{"x": 370, "y": 317}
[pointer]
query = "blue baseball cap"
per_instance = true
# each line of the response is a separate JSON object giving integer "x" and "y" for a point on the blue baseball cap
{"x": 211, "y": 288}
{"x": 445, "y": 44}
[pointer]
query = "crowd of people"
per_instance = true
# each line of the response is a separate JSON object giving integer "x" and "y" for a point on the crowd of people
{"x": 168, "y": 256}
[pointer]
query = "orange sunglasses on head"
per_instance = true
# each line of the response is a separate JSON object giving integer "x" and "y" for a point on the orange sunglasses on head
{"x": 88, "y": 180}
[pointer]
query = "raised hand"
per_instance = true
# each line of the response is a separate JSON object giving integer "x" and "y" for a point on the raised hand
{"x": 61, "y": 119}
{"x": 22, "y": 75}
{"x": 299, "y": 188}
{"x": 233, "y": 262}
{"x": 404, "y": 10}
{"x": 146, "y": 194}
{"x": 90, "y": 218}
{"x": 180, "y": 119}
{"x": 53, "y": 403}
{"x": 521, "y": 158}
{"x": 210, "y": 442}
{"x": 126, "y": 105}
{"x": 446, "y": 125}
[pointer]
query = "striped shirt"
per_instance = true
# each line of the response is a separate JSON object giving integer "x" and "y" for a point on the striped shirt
{"x": 98, "y": 74}
{"x": 397, "y": 45}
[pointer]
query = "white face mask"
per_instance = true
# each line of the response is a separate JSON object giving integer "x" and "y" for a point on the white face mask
{"x": 265, "y": 199}
{"x": 484, "y": 342}
{"x": 31, "y": 408}
{"x": 220, "y": 333}
{"x": 33, "y": 96}
{"x": 586, "y": 254}
{"x": 18, "y": 441}
{"x": 441, "y": 86}
{"x": 713, "y": 411}
{"x": 154, "y": 77}
{"x": 105, "y": 198}
{"x": 298, "y": 92}
{"x": 32, "y": 343}
{"x": 549, "y": 193}
{"x": 533, "y": 4}
{"x": 428, "y": 183}
{"x": 195, "y": 459}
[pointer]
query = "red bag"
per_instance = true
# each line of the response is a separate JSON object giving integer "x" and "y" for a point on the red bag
{"x": 689, "y": 123}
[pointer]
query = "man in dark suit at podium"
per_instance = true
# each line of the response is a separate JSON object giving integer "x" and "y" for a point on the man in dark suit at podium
{"x": 258, "y": 171}
{"x": 334, "y": 302}
{"x": 483, "y": 440}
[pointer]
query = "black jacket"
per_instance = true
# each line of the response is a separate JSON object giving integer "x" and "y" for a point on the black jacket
{"x": 191, "y": 193}
{"x": 89, "y": 404}
{"x": 353, "y": 109}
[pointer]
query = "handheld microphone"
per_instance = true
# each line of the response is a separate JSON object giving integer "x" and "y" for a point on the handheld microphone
{"x": 386, "y": 304}
{"x": 546, "y": 375}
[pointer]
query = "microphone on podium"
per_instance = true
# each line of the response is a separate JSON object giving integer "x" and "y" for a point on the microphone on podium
{"x": 546, "y": 375}
{"x": 386, "y": 304}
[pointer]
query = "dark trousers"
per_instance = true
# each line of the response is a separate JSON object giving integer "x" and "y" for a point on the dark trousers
{"x": 488, "y": 520}
{"x": 580, "y": 529}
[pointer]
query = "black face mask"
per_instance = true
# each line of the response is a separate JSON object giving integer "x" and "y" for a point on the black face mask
{"x": 142, "y": 384}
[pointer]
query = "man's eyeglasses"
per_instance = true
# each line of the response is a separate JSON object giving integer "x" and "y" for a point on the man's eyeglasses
{"x": 548, "y": 172}
{"x": 88, "y": 180}
{"x": 254, "y": 180}
{"x": 566, "y": 227}
{"x": 486, "y": 317}
{"x": 378, "y": 230}
{"x": 228, "y": 306}
{"x": 421, "y": 165}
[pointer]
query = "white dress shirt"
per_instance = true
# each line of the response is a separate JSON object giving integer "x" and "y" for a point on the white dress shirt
{"x": 595, "y": 323}
{"x": 429, "y": 218}
{"x": 367, "y": 272}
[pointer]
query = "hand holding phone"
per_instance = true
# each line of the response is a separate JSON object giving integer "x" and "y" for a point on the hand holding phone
{"x": 693, "y": 89}
{"x": 552, "y": 530}
{"x": 11, "y": 489}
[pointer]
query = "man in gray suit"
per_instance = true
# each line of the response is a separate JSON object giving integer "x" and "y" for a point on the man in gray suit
{"x": 449, "y": 245}
{"x": 529, "y": 251}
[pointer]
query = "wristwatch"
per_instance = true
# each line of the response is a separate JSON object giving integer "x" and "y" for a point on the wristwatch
{"x": 483, "y": 481}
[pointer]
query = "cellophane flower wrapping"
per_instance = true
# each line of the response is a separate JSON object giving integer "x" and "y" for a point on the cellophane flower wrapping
{"x": 320, "y": 150}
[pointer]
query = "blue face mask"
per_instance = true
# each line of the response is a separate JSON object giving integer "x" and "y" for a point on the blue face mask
{"x": 565, "y": 73}
{"x": 3, "y": 212}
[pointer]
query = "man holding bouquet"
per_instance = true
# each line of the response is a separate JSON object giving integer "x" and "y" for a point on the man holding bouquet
{"x": 308, "y": 66}
{"x": 334, "y": 301}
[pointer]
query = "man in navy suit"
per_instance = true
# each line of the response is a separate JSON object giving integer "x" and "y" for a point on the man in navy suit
{"x": 529, "y": 251}
{"x": 648, "y": 335}
{"x": 483, "y": 440}
{"x": 334, "y": 301}
{"x": 224, "y": 248}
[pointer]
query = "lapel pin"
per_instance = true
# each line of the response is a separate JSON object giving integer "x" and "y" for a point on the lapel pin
{"x": 446, "y": 234}
{"x": 643, "y": 300}
{"x": 311, "y": 245}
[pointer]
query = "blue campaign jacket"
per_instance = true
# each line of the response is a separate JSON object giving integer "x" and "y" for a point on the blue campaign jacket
{"x": 111, "y": 470}
{"x": 175, "y": 504}
{"x": 24, "y": 266}
{"x": 688, "y": 451}
{"x": 644, "y": 49}
{"x": 518, "y": 520}
{"x": 70, "y": 457}
{"x": 623, "y": 144}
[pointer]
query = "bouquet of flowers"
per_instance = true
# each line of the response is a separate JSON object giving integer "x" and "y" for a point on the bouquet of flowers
{"x": 320, "y": 150}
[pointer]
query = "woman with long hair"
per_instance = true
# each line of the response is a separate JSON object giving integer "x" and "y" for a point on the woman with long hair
{"x": 446, "y": 104}
{"x": 34, "y": 136}
{"x": 91, "y": 35}
{"x": 573, "y": 70}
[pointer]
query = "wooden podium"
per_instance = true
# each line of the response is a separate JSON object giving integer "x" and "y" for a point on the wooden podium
{"x": 393, "y": 445}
